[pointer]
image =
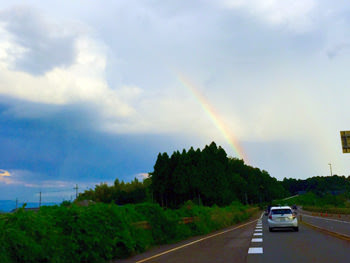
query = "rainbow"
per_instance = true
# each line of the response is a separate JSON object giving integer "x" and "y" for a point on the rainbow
{"x": 214, "y": 116}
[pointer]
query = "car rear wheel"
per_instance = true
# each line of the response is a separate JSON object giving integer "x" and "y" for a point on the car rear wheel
{"x": 296, "y": 229}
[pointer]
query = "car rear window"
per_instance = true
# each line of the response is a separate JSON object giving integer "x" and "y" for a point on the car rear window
{"x": 281, "y": 211}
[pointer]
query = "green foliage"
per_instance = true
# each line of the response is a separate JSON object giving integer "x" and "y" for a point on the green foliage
{"x": 311, "y": 199}
{"x": 205, "y": 176}
{"x": 120, "y": 193}
{"x": 319, "y": 185}
{"x": 66, "y": 203}
{"x": 102, "y": 232}
{"x": 210, "y": 177}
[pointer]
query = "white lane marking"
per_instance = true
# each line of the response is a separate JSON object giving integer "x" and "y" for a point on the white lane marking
{"x": 258, "y": 230}
{"x": 346, "y": 222}
{"x": 257, "y": 240}
{"x": 257, "y": 234}
{"x": 258, "y": 227}
{"x": 194, "y": 242}
{"x": 255, "y": 250}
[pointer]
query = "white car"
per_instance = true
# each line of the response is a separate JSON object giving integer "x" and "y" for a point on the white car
{"x": 282, "y": 217}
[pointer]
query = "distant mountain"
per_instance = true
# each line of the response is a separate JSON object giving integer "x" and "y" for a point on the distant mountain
{"x": 9, "y": 205}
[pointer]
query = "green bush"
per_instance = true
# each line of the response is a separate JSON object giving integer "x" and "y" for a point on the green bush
{"x": 101, "y": 232}
{"x": 312, "y": 199}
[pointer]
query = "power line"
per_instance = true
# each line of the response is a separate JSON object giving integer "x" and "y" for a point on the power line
{"x": 57, "y": 191}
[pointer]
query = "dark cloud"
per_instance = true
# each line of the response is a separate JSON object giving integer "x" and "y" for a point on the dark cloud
{"x": 63, "y": 146}
{"x": 46, "y": 45}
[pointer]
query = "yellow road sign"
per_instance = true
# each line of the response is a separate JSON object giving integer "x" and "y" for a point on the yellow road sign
{"x": 345, "y": 141}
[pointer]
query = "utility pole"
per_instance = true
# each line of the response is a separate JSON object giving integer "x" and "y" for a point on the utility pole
{"x": 330, "y": 167}
{"x": 76, "y": 191}
{"x": 16, "y": 203}
{"x": 39, "y": 199}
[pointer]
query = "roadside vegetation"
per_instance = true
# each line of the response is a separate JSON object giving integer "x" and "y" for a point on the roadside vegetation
{"x": 325, "y": 203}
{"x": 206, "y": 187}
{"x": 205, "y": 176}
{"x": 101, "y": 232}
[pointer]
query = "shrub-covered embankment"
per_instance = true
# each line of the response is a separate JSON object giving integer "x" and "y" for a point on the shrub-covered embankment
{"x": 327, "y": 203}
{"x": 102, "y": 232}
{"x": 328, "y": 210}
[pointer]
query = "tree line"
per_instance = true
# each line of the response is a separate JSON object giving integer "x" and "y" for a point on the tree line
{"x": 119, "y": 193}
{"x": 208, "y": 177}
{"x": 205, "y": 176}
{"x": 319, "y": 185}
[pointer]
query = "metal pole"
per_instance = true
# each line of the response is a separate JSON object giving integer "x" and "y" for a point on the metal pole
{"x": 330, "y": 167}
{"x": 40, "y": 199}
{"x": 76, "y": 191}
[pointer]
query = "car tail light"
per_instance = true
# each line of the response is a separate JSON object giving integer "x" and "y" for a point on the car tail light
{"x": 270, "y": 217}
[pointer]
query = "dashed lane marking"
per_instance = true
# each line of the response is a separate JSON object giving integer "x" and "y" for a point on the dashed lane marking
{"x": 258, "y": 232}
{"x": 255, "y": 250}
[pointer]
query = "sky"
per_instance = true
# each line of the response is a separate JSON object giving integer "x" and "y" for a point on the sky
{"x": 91, "y": 91}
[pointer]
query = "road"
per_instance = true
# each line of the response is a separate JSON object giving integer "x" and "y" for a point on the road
{"x": 331, "y": 224}
{"x": 228, "y": 245}
{"x": 236, "y": 245}
{"x": 307, "y": 245}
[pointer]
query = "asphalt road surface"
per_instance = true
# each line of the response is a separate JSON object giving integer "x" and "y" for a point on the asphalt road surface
{"x": 331, "y": 224}
{"x": 253, "y": 243}
{"x": 307, "y": 245}
{"x": 229, "y": 245}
